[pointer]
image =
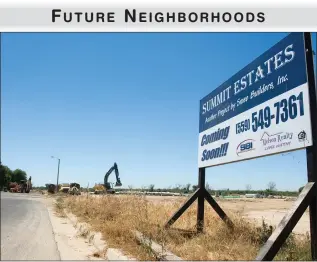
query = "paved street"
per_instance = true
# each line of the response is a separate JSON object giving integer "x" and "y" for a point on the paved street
{"x": 26, "y": 230}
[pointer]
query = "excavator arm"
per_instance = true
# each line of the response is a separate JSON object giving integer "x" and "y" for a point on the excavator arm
{"x": 118, "y": 181}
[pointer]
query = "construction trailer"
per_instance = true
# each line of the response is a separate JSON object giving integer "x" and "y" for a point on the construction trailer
{"x": 253, "y": 196}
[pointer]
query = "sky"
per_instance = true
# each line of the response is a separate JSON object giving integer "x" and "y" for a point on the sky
{"x": 92, "y": 99}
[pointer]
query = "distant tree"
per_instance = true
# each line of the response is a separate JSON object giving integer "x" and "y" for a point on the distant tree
{"x": 18, "y": 175}
{"x": 207, "y": 186}
{"x": 271, "y": 186}
{"x": 151, "y": 187}
{"x": 248, "y": 187}
{"x": 187, "y": 188}
{"x": 2, "y": 176}
{"x": 8, "y": 178}
{"x": 5, "y": 175}
{"x": 130, "y": 187}
{"x": 194, "y": 187}
{"x": 178, "y": 187}
{"x": 300, "y": 189}
{"x": 8, "y": 171}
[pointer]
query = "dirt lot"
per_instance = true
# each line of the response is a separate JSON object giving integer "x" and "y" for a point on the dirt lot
{"x": 271, "y": 210}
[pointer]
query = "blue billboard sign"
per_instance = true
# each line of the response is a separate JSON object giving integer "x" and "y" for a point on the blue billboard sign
{"x": 261, "y": 110}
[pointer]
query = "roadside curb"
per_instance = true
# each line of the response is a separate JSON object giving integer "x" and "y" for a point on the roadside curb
{"x": 84, "y": 230}
{"x": 159, "y": 251}
{"x": 64, "y": 232}
{"x": 94, "y": 238}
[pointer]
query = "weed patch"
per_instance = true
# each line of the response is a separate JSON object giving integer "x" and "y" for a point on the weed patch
{"x": 60, "y": 207}
{"x": 117, "y": 217}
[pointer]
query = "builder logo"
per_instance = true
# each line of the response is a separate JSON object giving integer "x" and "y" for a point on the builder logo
{"x": 302, "y": 136}
{"x": 245, "y": 146}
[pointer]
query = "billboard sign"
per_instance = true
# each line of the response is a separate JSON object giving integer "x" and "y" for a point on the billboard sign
{"x": 261, "y": 110}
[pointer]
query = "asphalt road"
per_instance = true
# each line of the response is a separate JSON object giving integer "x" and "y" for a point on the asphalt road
{"x": 26, "y": 230}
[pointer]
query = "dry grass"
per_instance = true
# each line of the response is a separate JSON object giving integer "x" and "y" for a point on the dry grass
{"x": 116, "y": 217}
{"x": 60, "y": 207}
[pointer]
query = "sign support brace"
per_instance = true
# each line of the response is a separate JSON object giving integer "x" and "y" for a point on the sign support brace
{"x": 200, "y": 194}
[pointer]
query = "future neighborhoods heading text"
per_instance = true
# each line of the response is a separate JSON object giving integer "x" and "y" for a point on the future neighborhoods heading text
{"x": 134, "y": 16}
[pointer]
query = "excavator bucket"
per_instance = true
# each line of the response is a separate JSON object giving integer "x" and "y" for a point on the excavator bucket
{"x": 118, "y": 184}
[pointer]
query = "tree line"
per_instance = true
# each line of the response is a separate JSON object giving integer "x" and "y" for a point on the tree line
{"x": 270, "y": 189}
{"x": 7, "y": 175}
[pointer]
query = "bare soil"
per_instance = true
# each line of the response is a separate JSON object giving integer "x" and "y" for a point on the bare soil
{"x": 271, "y": 210}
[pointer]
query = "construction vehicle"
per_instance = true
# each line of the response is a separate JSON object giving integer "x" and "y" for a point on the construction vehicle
{"x": 13, "y": 187}
{"x": 51, "y": 188}
{"x": 74, "y": 189}
{"x": 64, "y": 188}
{"x": 106, "y": 187}
{"x": 99, "y": 189}
{"x": 25, "y": 186}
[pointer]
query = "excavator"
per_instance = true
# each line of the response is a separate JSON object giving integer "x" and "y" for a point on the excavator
{"x": 107, "y": 186}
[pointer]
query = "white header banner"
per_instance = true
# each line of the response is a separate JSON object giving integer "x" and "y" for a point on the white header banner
{"x": 157, "y": 16}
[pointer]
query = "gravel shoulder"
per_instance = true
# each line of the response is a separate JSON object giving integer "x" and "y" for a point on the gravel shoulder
{"x": 71, "y": 245}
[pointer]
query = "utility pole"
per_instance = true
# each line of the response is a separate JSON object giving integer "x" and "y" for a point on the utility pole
{"x": 57, "y": 172}
{"x": 57, "y": 175}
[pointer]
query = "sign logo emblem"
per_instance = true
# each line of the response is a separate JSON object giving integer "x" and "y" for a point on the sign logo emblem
{"x": 245, "y": 146}
{"x": 302, "y": 136}
{"x": 278, "y": 140}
